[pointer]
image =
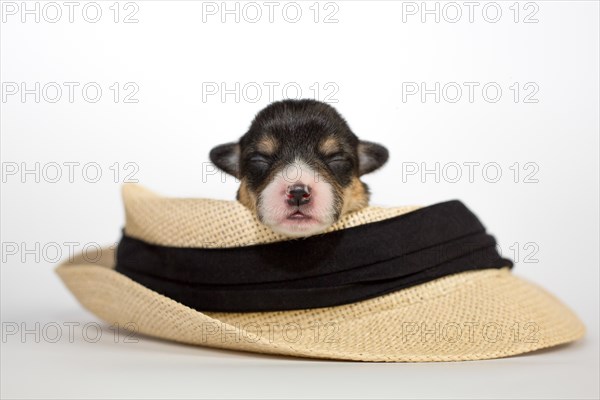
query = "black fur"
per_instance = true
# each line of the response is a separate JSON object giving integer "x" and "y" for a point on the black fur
{"x": 298, "y": 127}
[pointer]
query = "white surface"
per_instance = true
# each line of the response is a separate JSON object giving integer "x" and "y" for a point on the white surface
{"x": 170, "y": 52}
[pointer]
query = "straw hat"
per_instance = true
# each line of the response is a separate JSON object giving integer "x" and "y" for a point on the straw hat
{"x": 474, "y": 313}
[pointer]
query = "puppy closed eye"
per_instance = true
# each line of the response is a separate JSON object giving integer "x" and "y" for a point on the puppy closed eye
{"x": 339, "y": 163}
{"x": 259, "y": 162}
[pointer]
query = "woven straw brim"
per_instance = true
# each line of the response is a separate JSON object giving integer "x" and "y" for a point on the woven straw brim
{"x": 467, "y": 316}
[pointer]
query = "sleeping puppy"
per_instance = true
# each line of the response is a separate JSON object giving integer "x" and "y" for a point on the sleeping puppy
{"x": 299, "y": 166}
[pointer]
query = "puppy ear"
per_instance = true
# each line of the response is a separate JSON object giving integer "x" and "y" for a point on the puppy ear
{"x": 227, "y": 157}
{"x": 371, "y": 156}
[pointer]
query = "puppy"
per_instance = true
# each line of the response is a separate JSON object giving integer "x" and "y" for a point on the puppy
{"x": 299, "y": 166}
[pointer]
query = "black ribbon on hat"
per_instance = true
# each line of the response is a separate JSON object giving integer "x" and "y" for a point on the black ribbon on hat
{"x": 331, "y": 269}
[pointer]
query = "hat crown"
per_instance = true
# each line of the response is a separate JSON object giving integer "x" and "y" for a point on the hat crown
{"x": 211, "y": 223}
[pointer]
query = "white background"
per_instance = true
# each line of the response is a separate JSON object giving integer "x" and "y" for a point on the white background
{"x": 171, "y": 54}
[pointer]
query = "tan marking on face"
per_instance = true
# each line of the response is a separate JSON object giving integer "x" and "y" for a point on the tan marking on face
{"x": 246, "y": 197}
{"x": 267, "y": 145}
{"x": 329, "y": 146}
{"x": 355, "y": 197}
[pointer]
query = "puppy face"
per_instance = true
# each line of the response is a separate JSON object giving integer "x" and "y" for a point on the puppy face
{"x": 299, "y": 165}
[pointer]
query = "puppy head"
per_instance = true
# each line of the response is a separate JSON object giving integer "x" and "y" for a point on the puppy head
{"x": 299, "y": 165}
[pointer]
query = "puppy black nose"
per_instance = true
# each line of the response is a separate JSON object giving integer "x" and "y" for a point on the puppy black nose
{"x": 298, "y": 195}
